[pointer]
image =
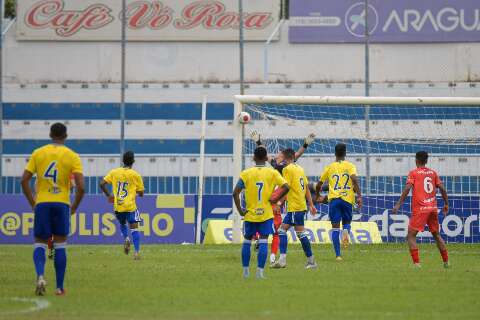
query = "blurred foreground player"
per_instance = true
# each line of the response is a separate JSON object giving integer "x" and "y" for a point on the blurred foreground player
{"x": 343, "y": 193}
{"x": 278, "y": 163}
{"x": 53, "y": 164}
{"x": 424, "y": 182}
{"x": 126, "y": 185}
{"x": 296, "y": 210}
{"x": 259, "y": 182}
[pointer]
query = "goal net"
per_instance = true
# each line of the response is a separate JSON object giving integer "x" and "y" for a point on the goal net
{"x": 382, "y": 136}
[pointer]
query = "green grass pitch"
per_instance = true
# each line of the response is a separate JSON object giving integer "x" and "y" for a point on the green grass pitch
{"x": 204, "y": 282}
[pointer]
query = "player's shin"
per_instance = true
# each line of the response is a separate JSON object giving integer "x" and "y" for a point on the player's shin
{"x": 346, "y": 234}
{"x": 124, "y": 230}
{"x": 60, "y": 263}
{"x": 262, "y": 253}
{"x": 39, "y": 258}
{"x": 336, "y": 241}
{"x": 307, "y": 247}
{"x": 246, "y": 256}
{"x": 136, "y": 239}
{"x": 282, "y": 234}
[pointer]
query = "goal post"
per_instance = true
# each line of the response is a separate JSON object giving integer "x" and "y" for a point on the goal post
{"x": 382, "y": 134}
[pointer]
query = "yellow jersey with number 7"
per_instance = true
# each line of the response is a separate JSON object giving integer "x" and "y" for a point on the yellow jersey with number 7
{"x": 125, "y": 182}
{"x": 338, "y": 174}
{"x": 53, "y": 164}
{"x": 259, "y": 183}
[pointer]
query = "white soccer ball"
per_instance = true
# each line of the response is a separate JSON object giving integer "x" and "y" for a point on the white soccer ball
{"x": 244, "y": 117}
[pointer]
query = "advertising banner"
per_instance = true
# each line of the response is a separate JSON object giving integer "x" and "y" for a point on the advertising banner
{"x": 147, "y": 20}
{"x": 333, "y": 21}
{"x": 171, "y": 219}
{"x": 165, "y": 219}
{"x": 220, "y": 232}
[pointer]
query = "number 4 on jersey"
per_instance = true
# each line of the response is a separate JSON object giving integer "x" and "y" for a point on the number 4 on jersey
{"x": 51, "y": 172}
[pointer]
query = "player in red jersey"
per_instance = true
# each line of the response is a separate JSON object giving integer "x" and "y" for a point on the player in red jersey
{"x": 424, "y": 182}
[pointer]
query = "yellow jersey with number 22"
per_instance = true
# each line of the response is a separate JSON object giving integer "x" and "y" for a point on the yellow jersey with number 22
{"x": 338, "y": 174}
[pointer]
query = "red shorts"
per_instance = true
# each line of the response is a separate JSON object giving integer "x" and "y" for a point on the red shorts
{"x": 419, "y": 219}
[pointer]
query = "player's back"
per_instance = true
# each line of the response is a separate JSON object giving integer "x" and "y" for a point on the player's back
{"x": 338, "y": 174}
{"x": 260, "y": 182}
{"x": 125, "y": 183}
{"x": 424, "y": 182}
{"x": 296, "y": 179}
{"x": 54, "y": 164}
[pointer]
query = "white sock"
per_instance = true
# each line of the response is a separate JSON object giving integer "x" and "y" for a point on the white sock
{"x": 283, "y": 257}
{"x": 273, "y": 257}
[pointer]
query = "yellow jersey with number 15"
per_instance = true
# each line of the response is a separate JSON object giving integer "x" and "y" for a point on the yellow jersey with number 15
{"x": 259, "y": 183}
{"x": 53, "y": 164}
{"x": 125, "y": 182}
{"x": 338, "y": 174}
{"x": 298, "y": 182}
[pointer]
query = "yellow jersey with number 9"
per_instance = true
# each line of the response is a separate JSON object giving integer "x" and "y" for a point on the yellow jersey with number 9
{"x": 298, "y": 182}
{"x": 338, "y": 174}
{"x": 53, "y": 164}
{"x": 125, "y": 184}
{"x": 259, "y": 183}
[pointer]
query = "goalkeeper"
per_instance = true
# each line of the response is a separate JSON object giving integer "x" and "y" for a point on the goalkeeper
{"x": 279, "y": 163}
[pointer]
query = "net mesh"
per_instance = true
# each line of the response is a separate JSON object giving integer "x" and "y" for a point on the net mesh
{"x": 382, "y": 142}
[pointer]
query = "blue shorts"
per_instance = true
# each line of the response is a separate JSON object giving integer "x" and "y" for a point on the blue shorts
{"x": 340, "y": 210}
{"x": 295, "y": 218}
{"x": 130, "y": 217}
{"x": 51, "y": 218}
{"x": 264, "y": 228}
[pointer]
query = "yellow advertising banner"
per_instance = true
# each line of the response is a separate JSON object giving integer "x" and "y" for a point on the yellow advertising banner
{"x": 220, "y": 232}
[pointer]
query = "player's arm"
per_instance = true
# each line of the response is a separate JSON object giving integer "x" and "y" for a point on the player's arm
{"x": 140, "y": 186}
{"x": 443, "y": 191}
{"x": 356, "y": 189}
{"x": 236, "y": 197}
{"x": 106, "y": 192}
{"x": 312, "y": 208}
{"x": 27, "y": 191}
{"x": 79, "y": 190}
{"x": 306, "y": 142}
{"x": 404, "y": 195}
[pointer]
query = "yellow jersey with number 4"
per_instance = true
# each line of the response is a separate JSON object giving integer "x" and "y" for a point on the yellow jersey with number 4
{"x": 298, "y": 182}
{"x": 125, "y": 182}
{"x": 53, "y": 164}
{"x": 259, "y": 183}
{"x": 338, "y": 174}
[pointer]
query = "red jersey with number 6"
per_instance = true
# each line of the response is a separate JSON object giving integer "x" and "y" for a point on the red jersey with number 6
{"x": 425, "y": 182}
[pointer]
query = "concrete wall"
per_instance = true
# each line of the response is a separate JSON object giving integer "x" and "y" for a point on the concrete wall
{"x": 40, "y": 62}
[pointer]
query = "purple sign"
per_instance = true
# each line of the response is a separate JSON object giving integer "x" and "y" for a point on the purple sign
{"x": 334, "y": 21}
{"x": 165, "y": 219}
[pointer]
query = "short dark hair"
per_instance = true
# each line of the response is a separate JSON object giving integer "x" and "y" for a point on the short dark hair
{"x": 128, "y": 158}
{"x": 341, "y": 150}
{"x": 422, "y": 157}
{"x": 58, "y": 131}
{"x": 289, "y": 154}
{"x": 260, "y": 154}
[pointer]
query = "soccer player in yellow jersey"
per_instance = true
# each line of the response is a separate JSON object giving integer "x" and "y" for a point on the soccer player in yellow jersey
{"x": 126, "y": 185}
{"x": 259, "y": 183}
{"x": 296, "y": 208}
{"x": 343, "y": 193}
{"x": 53, "y": 164}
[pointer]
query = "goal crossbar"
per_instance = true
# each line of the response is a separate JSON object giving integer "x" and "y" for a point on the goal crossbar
{"x": 360, "y": 100}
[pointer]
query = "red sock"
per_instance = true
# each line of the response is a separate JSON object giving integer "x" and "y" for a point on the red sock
{"x": 414, "y": 254}
{"x": 275, "y": 243}
{"x": 444, "y": 254}
{"x": 50, "y": 243}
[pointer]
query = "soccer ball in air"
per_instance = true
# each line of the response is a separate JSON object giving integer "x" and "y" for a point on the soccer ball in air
{"x": 244, "y": 117}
